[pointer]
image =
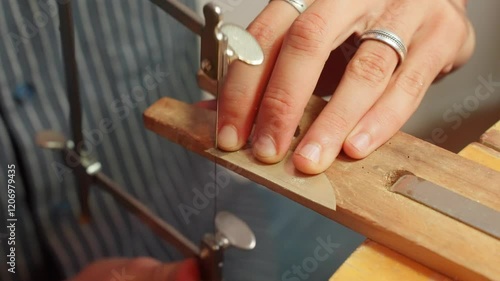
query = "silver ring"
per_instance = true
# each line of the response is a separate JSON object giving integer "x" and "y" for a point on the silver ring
{"x": 299, "y": 5}
{"x": 388, "y": 38}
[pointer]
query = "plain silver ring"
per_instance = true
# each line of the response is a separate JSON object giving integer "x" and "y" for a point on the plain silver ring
{"x": 388, "y": 38}
{"x": 299, "y": 5}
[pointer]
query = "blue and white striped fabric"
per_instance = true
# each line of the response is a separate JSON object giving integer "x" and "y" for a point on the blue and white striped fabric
{"x": 129, "y": 55}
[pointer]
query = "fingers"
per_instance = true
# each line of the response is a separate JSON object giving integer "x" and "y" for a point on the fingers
{"x": 108, "y": 269}
{"x": 404, "y": 93}
{"x": 245, "y": 84}
{"x": 467, "y": 48}
{"x": 188, "y": 270}
{"x": 100, "y": 270}
{"x": 364, "y": 81}
{"x": 392, "y": 110}
{"x": 305, "y": 49}
{"x": 371, "y": 101}
{"x": 140, "y": 269}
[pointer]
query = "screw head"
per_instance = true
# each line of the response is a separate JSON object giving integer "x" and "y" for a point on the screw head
{"x": 243, "y": 46}
{"x": 232, "y": 231}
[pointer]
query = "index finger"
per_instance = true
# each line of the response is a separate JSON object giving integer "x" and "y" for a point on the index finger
{"x": 306, "y": 47}
{"x": 245, "y": 84}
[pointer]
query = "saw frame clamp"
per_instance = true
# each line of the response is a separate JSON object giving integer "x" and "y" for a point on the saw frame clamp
{"x": 221, "y": 44}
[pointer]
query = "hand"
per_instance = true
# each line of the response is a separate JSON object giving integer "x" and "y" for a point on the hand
{"x": 139, "y": 269}
{"x": 373, "y": 96}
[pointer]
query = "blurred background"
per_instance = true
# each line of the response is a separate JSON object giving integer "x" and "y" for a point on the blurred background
{"x": 451, "y": 114}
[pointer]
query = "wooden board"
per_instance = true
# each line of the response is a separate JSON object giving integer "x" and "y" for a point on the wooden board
{"x": 364, "y": 203}
{"x": 492, "y": 137}
{"x": 372, "y": 261}
{"x": 483, "y": 155}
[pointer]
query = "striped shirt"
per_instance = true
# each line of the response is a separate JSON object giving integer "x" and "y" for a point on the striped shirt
{"x": 129, "y": 54}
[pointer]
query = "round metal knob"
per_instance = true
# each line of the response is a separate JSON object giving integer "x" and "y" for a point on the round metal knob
{"x": 242, "y": 44}
{"x": 232, "y": 231}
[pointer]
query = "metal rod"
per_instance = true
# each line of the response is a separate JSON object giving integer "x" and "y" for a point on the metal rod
{"x": 160, "y": 227}
{"x": 71, "y": 72}
{"x": 211, "y": 259}
{"x": 67, "y": 34}
{"x": 222, "y": 62}
{"x": 454, "y": 205}
{"x": 182, "y": 14}
{"x": 84, "y": 181}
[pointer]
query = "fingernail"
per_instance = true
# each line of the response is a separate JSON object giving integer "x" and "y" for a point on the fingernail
{"x": 227, "y": 137}
{"x": 360, "y": 141}
{"x": 311, "y": 151}
{"x": 264, "y": 147}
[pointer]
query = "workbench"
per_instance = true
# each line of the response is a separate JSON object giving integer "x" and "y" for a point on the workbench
{"x": 372, "y": 261}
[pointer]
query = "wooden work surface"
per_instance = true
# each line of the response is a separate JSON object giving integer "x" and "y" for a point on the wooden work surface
{"x": 372, "y": 261}
{"x": 364, "y": 202}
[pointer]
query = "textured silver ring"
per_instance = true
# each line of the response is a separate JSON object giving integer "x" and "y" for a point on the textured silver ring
{"x": 299, "y": 5}
{"x": 388, "y": 38}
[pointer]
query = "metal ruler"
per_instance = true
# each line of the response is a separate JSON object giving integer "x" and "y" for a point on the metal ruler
{"x": 452, "y": 204}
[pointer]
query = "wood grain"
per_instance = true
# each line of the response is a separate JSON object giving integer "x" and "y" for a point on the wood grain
{"x": 364, "y": 202}
{"x": 372, "y": 261}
